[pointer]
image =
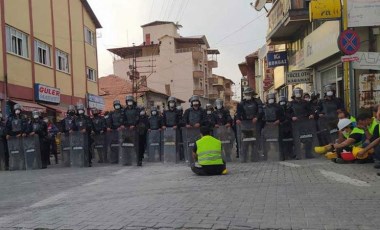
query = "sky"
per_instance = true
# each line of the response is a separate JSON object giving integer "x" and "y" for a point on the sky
{"x": 231, "y": 26}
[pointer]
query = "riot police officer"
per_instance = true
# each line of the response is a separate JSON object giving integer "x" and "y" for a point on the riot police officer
{"x": 195, "y": 115}
{"x": 272, "y": 111}
{"x": 285, "y": 135}
{"x": 210, "y": 119}
{"x": 142, "y": 129}
{"x": 39, "y": 127}
{"x": 330, "y": 105}
{"x": 131, "y": 113}
{"x": 83, "y": 124}
{"x": 155, "y": 120}
{"x": 4, "y": 145}
{"x": 222, "y": 115}
{"x": 99, "y": 126}
{"x": 16, "y": 124}
{"x": 116, "y": 118}
{"x": 171, "y": 116}
{"x": 68, "y": 124}
{"x": 249, "y": 108}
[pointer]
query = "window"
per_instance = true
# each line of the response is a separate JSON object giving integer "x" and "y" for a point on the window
{"x": 89, "y": 36}
{"x": 62, "y": 61}
{"x": 42, "y": 53}
{"x": 91, "y": 74}
{"x": 17, "y": 42}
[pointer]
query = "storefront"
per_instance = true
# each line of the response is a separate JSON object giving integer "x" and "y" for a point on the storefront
{"x": 321, "y": 53}
{"x": 94, "y": 101}
{"x": 50, "y": 98}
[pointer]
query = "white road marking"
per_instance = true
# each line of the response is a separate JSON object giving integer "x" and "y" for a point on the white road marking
{"x": 50, "y": 200}
{"x": 289, "y": 164}
{"x": 344, "y": 179}
{"x": 121, "y": 171}
{"x": 96, "y": 182}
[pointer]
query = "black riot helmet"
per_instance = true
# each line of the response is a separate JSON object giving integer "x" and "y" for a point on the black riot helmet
{"x": 17, "y": 109}
{"x": 329, "y": 90}
{"x": 249, "y": 93}
{"x": 172, "y": 102}
{"x": 271, "y": 98}
{"x": 36, "y": 114}
{"x": 153, "y": 111}
{"x": 95, "y": 111}
{"x": 195, "y": 101}
{"x": 129, "y": 100}
{"x": 282, "y": 100}
{"x": 297, "y": 93}
{"x": 71, "y": 110}
{"x": 219, "y": 103}
{"x": 116, "y": 104}
{"x": 80, "y": 109}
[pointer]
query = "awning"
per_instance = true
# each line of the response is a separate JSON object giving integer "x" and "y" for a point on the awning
{"x": 29, "y": 106}
{"x": 57, "y": 108}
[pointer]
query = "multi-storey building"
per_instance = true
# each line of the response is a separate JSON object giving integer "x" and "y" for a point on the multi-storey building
{"x": 169, "y": 63}
{"x": 220, "y": 87}
{"x": 49, "y": 56}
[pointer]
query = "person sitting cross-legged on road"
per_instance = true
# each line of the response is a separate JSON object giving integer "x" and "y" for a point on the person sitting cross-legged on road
{"x": 207, "y": 154}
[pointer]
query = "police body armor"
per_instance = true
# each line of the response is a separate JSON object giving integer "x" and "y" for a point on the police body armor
{"x": 99, "y": 124}
{"x": 270, "y": 113}
{"x": 219, "y": 114}
{"x": 16, "y": 125}
{"x": 81, "y": 123}
{"x": 131, "y": 115}
{"x": 2, "y": 132}
{"x": 171, "y": 118}
{"x": 117, "y": 118}
{"x": 36, "y": 126}
{"x": 250, "y": 109}
{"x": 69, "y": 123}
{"x": 299, "y": 108}
{"x": 329, "y": 108}
{"x": 154, "y": 122}
{"x": 195, "y": 116}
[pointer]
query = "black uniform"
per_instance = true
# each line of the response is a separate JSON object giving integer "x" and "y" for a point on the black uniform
{"x": 131, "y": 116}
{"x": 248, "y": 109}
{"x": 16, "y": 125}
{"x": 223, "y": 117}
{"x": 142, "y": 130}
{"x": 286, "y": 134}
{"x": 171, "y": 118}
{"x": 39, "y": 127}
{"x": 3, "y": 140}
{"x": 68, "y": 124}
{"x": 155, "y": 122}
{"x": 99, "y": 124}
{"x": 192, "y": 116}
{"x": 83, "y": 122}
{"x": 116, "y": 119}
{"x": 329, "y": 107}
{"x": 210, "y": 120}
{"x": 272, "y": 113}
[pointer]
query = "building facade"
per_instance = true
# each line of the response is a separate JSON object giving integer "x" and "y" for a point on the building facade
{"x": 49, "y": 55}
{"x": 169, "y": 63}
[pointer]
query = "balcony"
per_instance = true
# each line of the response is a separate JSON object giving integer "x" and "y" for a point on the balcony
{"x": 228, "y": 92}
{"x": 213, "y": 94}
{"x": 198, "y": 74}
{"x": 285, "y": 19}
{"x": 218, "y": 82}
{"x": 198, "y": 91}
{"x": 196, "y": 52}
{"x": 212, "y": 64}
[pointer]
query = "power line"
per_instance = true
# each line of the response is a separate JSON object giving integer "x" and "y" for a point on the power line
{"x": 180, "y": 9}
{"x": 162, "y": 8}
{"x": 171, "y": 9}
{"x": 151, "y": 10}
{"x": 184, "y": 10}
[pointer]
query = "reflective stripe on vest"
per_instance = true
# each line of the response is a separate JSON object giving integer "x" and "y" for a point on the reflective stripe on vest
{"x": 209, "y": 151}
{"x": 360, "y": 131}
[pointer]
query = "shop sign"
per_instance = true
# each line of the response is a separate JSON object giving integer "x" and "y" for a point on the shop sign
{"x": 321, "y": 43}
{"x": 363, "y": 13}
{"x": 277, "y": 59}
{"x": 298, "y": 77}
{"x": 366, "y": 60}
{"x": 94, "y": 101}
{"x": 324, "y": 9}
{"x": 47, "y": 94}
{"x": 369, "y": 86}
{"x": 349, "y": 58}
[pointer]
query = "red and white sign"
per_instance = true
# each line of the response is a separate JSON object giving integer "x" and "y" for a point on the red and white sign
{"x": 349, "y": 58}
{"x": 47, "y": 93}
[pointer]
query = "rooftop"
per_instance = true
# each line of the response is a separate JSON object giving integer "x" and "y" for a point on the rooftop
{"x": 92, "y": 14}
{"x": 157, "y": 23}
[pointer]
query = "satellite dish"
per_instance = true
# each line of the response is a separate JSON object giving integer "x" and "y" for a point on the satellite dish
{"x": 260, "y": 4}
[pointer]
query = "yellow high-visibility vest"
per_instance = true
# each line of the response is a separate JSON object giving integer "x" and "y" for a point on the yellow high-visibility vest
{"x": 209, "y": 151}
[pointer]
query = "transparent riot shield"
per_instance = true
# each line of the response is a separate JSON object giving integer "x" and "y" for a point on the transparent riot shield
{"x": 270, "y": 142}
{"x": 65, "y": 149}
{"x": 248, "y": 139}
{"x": 190, "y": 136}
{"x": 304, "y": 136}
{"x": 113, "y": 144}
{"x": 100, "y": 148}
{"x": 227, "y": 137}
{"x": 154, "y": 145}
{"x": 129, "y": 147}
{"x": 79, "y": 149}
{"x": 169, "y": 145}
{"x": 16, "y": 154}
{"x": 2, "y": 155}
{"x": 32, "y": 152}
{"x": 327, "y": 130}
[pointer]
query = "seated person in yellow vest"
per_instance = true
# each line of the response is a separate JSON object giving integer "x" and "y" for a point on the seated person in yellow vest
{"x": 358, "y": 137}
{"x": 374, "y": 145}
{"x": 344, "y": 118}
{"x": 207, "y": 155}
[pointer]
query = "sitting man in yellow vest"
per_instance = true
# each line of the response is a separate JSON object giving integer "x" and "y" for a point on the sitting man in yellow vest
{"x": 358, "y": 137}
{"x": 207, "y": 154}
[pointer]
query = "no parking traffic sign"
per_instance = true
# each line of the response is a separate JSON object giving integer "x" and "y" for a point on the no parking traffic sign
{"x": 349, "y": 42}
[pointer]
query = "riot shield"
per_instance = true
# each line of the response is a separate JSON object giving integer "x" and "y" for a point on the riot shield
{"x": 129, "y": 147}
{"x": 16, "y": 154}
{"x": 169, "y": 145}
{"x": 304, "y": 136}
{"x": 113, "y": 146}
{"x": 227, "y": 137}
{"x": 190, "y": 136}
{"x": 99, "y": 148}
{"x": 270, "y": 142}
{"x": 2, "y": 155}
{"x": 327, "y": 130}
{"x": 154, "y": 145}
{"x": 65, "y": 149}
{"x": 79, "y": 149}
{"x": 248, "y": 139}
{"x": 32, "y": 152}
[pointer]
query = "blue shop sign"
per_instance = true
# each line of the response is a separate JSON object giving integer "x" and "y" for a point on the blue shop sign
{"x": 95, "y": 101}
{"x": 277, "y": 59}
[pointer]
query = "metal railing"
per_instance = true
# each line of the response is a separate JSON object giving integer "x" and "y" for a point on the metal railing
{"x": 280, "y": 10}
{"x": 186, "y": 50}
